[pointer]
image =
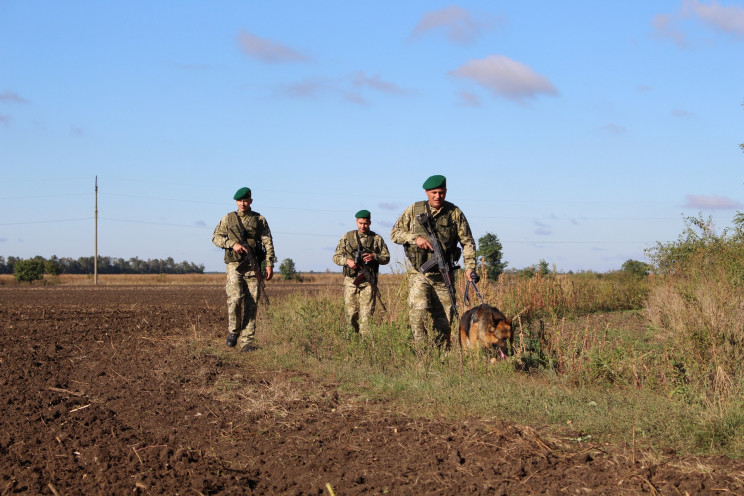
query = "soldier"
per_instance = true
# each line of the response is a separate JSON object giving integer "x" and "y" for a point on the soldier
{"x": 428, "y": 292}
{"x": 360, "y": 295}
{"x": 237, "y": 233}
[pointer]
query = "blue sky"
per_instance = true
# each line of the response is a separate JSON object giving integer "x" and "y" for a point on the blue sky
{"x": 579, "y": 132}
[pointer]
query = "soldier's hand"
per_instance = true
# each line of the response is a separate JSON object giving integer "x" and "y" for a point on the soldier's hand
{"x": 369, "y": 257}
{"x": 424, "y": 244}
{"x": 238, "y": 248}
{"x": 470, "y": 273}
{"x": 351, "y": 263}
{"x": 269, "y": 272}
{"x": 474, "y": 276}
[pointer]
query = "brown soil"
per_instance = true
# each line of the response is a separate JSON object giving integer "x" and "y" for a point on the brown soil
{"x": 130, "y": 390}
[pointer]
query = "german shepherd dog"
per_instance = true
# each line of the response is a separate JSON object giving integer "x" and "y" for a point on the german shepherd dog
{"x": 486, "y": 327}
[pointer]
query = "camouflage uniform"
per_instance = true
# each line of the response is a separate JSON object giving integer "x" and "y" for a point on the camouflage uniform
{"x": 360, "y": 300}
{"x": 427, "y": 293}
{"x": 242, "y": 288}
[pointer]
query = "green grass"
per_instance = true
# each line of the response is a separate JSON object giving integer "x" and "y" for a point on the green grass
{"x": 576, "y": 377}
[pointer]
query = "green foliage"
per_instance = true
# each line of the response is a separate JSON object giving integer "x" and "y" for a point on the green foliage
{"x": 52, "y": 267}
{"x": 288, "y": 271}
{"x": 108, "y": 265}
{"x": 28, "y": 270}
{"x": 490, "y": 254}
{"x": 636, "y": 268}
{"x": 543, "y": 267}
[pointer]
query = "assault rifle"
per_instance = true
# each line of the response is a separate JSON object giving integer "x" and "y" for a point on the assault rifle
{"x": 446, "y": 267}
{"x": 249, "y": 262}
{"x": 365, "y": 273}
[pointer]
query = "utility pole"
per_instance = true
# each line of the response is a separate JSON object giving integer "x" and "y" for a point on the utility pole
{"x": 95, "y": 257}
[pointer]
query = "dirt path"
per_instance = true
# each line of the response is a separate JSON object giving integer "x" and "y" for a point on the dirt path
{"x": 128, "y": 390}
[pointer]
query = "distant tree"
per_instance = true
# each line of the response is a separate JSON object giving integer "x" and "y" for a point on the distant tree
{"x": 52, "y": 266}
{"x": 543, "y": 267}
{"x": 636, "y": 268}
{"x": 288, "y": 271}
{"x": 29, "y": 270}
{"x": 490, "y": 254}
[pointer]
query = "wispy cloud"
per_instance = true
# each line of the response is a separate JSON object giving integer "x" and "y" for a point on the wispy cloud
{"x": 310, "y": 88}
{"x": 665, "y": 27}
{"x": 361, "y": 80}
{"x": 4, "y": 119}
{"x": 470, "y": 99}
{"x": 505, "y": 77}
{"x": 200, "y": 223}
{"x": 12, "y": 97}
{"x": 349, "y": 89}
{"x": 266, "y": 50}
{"x": 542, "y": 229}
{"x": 711, "y": 202}
{"x": 458, "y": 24}
{"x": 719, "y": 18}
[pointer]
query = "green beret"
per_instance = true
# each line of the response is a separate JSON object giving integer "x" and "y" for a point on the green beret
{"x": 435, "y": 182}
{"x": 363, "y": 214}
{"x": 242, "y": 193}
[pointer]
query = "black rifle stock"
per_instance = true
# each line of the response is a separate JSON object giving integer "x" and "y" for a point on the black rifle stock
{"x": 444, "y": 265}
{"x": 249, "y": 262}
{"x": 365, "y": 273}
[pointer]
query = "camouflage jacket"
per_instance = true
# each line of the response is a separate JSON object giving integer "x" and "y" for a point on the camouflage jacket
{"x": 452, "y": 227}
{"x": 347, "y": 248}
{"x": 256, "y": 229}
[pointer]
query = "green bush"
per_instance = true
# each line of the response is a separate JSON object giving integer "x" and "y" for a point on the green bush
{"x": 29, "y": 270}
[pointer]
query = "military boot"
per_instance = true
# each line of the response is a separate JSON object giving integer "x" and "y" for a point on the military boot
{"x": 232, "y": 339}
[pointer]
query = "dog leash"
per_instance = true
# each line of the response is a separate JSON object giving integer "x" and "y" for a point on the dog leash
{"x": 474, "y": 278}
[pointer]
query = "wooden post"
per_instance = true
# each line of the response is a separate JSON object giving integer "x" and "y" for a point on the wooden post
{"x": 95, "y": 257}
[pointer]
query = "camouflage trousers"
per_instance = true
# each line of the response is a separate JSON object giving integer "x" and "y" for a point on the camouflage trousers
{"x": 428, "y": 296}
{"x": 360, "y": 305}
{"x": 242, "y": 298}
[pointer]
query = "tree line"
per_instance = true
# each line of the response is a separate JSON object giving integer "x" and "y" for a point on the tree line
{"x": 106, "y": 265}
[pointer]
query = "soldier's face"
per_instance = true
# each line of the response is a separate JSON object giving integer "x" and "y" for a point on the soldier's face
{"x": 363, "y": 225}
{"x": 436, "y": 197}
{"x": 244, "y": 205}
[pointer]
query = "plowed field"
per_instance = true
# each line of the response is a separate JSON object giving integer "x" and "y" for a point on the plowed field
{"x": 129, "y": 390}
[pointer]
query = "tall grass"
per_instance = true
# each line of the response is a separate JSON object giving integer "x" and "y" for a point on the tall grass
{"x": 586, "y": 362}
{"x": 697, "y": 310}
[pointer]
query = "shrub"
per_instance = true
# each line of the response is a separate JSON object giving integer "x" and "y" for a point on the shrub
{"x": 29, "y": 270}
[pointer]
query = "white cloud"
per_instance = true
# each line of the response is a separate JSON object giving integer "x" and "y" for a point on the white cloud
{"x": 505, "y": 77}
{"x": 727, "y": 19}
{"x": 711, "y": 202}
{"x": 457, "y": 23}
{"x": 266, "y": 50}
